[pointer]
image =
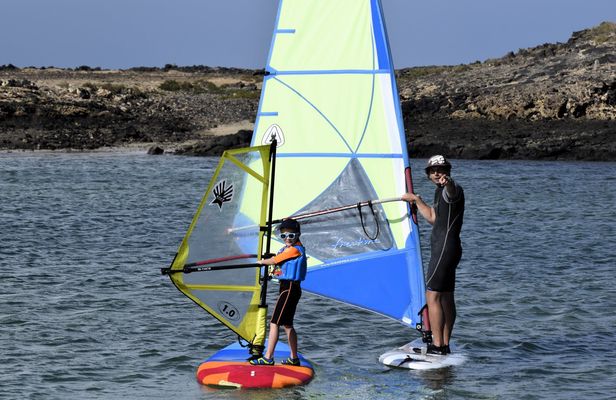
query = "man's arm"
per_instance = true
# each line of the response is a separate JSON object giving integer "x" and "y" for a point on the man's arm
{"x": 450, "y": 187}
{"x": 425, "y": 210}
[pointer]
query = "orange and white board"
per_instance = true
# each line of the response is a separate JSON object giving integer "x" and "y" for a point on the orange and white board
{"x": 229, "y": 368}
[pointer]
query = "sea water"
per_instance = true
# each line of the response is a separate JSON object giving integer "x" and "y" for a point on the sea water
{"x": 85, "y": 313}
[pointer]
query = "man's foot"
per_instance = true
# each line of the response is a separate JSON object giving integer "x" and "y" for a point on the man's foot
{"x": 433, "y": 350}
{"x": 447, "y": 350}
{"x": 291, "y": 361}
{"x": 262, "y": 361}
{"x": 436, "y": 350}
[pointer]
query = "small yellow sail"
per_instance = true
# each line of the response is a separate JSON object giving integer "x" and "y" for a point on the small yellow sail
{"x": 216, "y": 263}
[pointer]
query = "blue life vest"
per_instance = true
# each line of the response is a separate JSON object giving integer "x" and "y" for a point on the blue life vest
{"x": 295, "y": 268}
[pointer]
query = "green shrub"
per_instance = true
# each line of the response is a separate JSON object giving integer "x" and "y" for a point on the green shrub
{"x": 604, "y": 32}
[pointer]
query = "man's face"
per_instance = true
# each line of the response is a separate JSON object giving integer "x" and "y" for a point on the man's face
{"x": 436, "y": 173}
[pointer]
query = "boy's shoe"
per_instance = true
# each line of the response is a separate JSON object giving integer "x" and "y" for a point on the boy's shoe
{"x": 262, "y": 361}
{"x": 291, "y": 361}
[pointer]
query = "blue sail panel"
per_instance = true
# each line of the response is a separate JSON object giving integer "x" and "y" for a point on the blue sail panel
{"x": 387, "y": 292}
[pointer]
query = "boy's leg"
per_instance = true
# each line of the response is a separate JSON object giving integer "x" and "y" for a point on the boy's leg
{"x": 292, "y": 337}
{"x": 272, "y": 340}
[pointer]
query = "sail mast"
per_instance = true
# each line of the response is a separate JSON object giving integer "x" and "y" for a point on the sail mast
{"x": 268, "y": 227}
{"x": 257, "y": 348}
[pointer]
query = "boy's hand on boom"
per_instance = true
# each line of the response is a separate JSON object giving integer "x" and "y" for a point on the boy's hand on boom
{"x": 267, "y": 259}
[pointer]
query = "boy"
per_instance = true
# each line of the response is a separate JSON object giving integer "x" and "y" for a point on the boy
{"x": 290, "y": 270}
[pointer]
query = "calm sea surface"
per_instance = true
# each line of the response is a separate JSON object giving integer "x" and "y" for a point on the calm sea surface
{"x": 85, "y": 313}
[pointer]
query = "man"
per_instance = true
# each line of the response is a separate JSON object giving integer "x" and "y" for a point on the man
{"x": 446, "y": 217}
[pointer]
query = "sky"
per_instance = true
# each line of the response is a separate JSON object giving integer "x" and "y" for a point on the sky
{"x": 120, "y": 34}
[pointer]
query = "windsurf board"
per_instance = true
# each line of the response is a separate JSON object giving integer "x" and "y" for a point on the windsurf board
{"x": 406, "y": 357}
{"x": 229, "y": 368}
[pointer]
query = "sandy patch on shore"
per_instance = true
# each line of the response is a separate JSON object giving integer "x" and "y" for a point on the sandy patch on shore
{"x": 229, "y": 129}
{"x": 148, "y": 81}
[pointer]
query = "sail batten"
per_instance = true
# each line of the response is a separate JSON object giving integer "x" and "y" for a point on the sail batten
{"x": 340, "y": 155}
{"x": 369, "y": 72}
{"x": 221, "y": 288}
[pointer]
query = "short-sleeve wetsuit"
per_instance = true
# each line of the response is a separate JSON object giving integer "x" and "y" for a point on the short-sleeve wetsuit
{"x": 293, "y": 266}
{"x": 445, "y": 245}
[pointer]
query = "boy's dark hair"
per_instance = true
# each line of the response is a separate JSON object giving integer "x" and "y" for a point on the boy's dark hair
{"x": 290, "y": 224}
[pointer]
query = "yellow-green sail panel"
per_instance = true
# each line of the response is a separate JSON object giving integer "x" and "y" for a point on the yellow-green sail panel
{"x": 225, "y": 232}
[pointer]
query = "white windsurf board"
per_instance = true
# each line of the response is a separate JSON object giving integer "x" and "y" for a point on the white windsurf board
{"x": 406, "y": 357}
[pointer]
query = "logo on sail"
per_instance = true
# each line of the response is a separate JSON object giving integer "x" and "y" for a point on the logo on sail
{"x": 273, "y": 132}
{"x": 360, "y": 242}
{"x": 229, "y": 311}
{"x": 222, "y": 193}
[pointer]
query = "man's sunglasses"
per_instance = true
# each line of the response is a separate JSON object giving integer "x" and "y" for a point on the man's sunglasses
{"x": 441, "y": 170}
{"x": 291, "y": 235}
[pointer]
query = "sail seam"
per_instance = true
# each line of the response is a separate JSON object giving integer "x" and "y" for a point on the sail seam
{"x": 371, "y": 102}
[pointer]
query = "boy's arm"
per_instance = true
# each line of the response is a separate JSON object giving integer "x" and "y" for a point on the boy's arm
{"x": 288, "y": 253}
{"x": 267, "y": 261}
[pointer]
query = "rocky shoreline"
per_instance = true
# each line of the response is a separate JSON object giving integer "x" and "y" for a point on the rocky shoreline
{"x": 551, "y": 102}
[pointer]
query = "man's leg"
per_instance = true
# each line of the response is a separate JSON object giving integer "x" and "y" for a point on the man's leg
{"x": 449, "y": 312}
{"x": 437, "y": 320}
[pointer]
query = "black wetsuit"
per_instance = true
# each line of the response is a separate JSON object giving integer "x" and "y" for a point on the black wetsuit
{"x": 445, "y": 245}
{"x": 289, "y": 295}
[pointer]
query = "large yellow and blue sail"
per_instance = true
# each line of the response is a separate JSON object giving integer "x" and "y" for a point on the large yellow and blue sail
{"x": 329, "y": 98}
{"x": 215, "y": 265}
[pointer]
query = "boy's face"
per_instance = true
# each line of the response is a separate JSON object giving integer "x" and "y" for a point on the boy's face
{"x": 289, "y": 236}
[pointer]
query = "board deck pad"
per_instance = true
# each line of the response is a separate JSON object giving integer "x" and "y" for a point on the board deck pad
{"x": 406, "y": 357}
{"x": 229, "y": 368}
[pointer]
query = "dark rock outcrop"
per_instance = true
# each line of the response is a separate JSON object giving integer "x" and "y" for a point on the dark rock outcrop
{"x": 215, "y": 145}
